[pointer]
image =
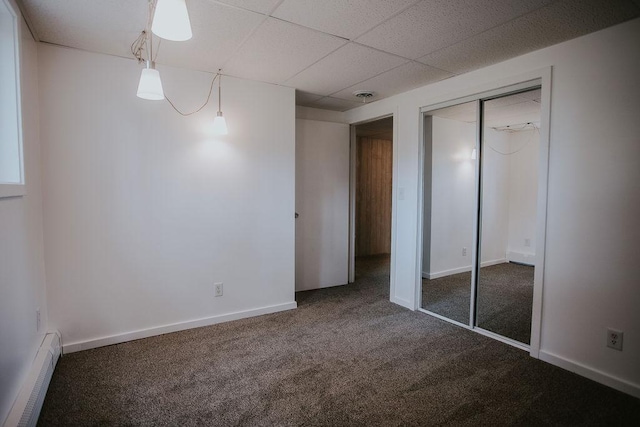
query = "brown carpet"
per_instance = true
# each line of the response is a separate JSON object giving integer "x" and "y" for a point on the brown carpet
{"x": 345, "y": 357}
{"x": 505, "y": 298}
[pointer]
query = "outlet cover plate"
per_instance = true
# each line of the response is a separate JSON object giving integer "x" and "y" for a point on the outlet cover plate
{"x": 614, "y": 339}
{"x": 218, "y": 289}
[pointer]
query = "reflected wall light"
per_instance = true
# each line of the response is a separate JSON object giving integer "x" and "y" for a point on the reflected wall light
{"x": 474, "y": 153}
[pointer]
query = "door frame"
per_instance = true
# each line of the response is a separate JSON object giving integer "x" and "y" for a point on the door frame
{"x": 353, "y": 152}
{"x": 542, "y": 78}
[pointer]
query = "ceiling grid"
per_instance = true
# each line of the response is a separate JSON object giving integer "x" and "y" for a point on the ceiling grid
{"x": 328, "y": 49}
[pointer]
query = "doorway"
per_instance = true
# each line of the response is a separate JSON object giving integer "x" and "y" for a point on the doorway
{"x": 481, "y": 212}
{"x": 372, "y": 176}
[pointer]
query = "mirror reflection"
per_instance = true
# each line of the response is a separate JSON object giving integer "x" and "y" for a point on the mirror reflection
{"x": 449, "y": 210}
{"x": 510, "y": 148}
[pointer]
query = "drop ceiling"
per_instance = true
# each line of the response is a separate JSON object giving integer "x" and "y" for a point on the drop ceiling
{"x": 327, "y": 49}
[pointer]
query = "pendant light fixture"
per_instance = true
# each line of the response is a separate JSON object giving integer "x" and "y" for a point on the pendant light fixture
{"x": 150, "y": 85}
{"x": 219, "y": 123}
{"x": 171, "y": 20}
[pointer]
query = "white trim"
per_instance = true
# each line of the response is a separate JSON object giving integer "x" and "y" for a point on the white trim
{"x": 446, "y": 319}
{"x": 464, "y": 269}
{"x": 332, "y": 285}
{"x": 402, "y": 302}
{"x": 541, "y": 214}
{"x": 522, "y": 258}
{"x": 16, "y": 189}
{"x": 12, "y": 190}
{"x": 498, "y": 337}
{"x": 353, "y": 152}
{"x": 394, "y": 216}
{"x": 174, "y": 327}
{"x": 591, "y": 373}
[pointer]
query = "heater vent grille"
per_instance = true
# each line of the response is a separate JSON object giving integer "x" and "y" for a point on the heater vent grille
{"x": 26, "y": 409}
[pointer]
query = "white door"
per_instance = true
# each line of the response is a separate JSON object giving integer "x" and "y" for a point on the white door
{"x": 322, "y": 204}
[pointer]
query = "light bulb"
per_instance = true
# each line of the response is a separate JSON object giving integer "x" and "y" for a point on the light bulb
{"x": 171, "y": 20}
{"x": 150, "y": 86}
{"x": 220, "y": 125}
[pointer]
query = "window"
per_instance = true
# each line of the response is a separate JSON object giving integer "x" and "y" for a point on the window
{"x": 11, "y": 163}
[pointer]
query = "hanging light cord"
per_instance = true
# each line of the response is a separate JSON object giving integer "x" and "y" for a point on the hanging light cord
{"x": 535, "y": 128}
{"x": 202, "y": 106}
{"x": 138, "y": 46}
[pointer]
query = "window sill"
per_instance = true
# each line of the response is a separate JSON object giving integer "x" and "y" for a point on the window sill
{"x": 12, "y": 190}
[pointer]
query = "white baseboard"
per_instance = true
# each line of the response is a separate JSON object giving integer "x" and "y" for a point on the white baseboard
{"x": 175, "y": 327}
{"x": 302, "y": 289}
{"x": 522, "y": 258}
{"x": 591, "y": 373}
{"x": 444, "y": 273}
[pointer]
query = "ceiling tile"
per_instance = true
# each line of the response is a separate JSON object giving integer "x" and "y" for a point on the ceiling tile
{"x": 434, "y": 24}
{"x": 343, "y": 68}
{"x": 260, "y": 6}
{"x": 106, "y": 27}
{"x": 278, "y": 50}
{"x": 553, "y": 24}
{"x": 343, "y": 18}
{"x": 401, "y": 79}
{"x": 226, "y": 27}
{"x": 306, "y": 98}
{"x": 335, "y": 104}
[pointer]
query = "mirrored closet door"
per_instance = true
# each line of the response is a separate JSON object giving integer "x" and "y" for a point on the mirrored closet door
{"x": 449, "y": 213}
{"x": 480, "y": 178}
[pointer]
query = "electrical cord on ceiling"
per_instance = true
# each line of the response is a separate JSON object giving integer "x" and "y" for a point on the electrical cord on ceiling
{"x": 202, "y": 106}
{"x": 137, "y": 49}
{"x": 534, "y": 127}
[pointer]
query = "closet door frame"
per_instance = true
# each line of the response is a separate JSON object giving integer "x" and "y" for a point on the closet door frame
{"x": 538, "y": 78}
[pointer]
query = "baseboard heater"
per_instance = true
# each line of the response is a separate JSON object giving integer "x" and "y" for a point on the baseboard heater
{"x": 26, "y": 409}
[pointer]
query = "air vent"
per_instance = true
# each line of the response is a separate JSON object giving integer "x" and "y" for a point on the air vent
{"x": 365, "y": 95}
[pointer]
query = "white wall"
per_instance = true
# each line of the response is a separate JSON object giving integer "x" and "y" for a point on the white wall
{"x": 590, "y": 277}
{"x": 22, "y": 274}
{"x": 452, "y": 190}
{"x": 452, "y": 196}
{"x": 145, "y": 209}
{"x": 495, "y": 198}
{"x": 523, "y": 192}
{"x": 322, "y": 200}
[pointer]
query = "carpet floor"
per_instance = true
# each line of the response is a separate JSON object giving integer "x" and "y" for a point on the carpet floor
{"x": 505, "y": 298}
{"x": 345, "y": 357}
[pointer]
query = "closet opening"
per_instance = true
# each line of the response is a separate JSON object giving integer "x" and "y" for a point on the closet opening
{"x": 482, "y": 216}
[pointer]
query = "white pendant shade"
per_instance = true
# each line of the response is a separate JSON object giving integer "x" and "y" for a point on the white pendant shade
{"x": 171, "y": 20}
{"x": 150, "y": 86}
{"x": 220, "y": 125}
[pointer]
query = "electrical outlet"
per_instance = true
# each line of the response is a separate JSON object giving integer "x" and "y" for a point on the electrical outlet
{"x": 38, "y": 320}
{"x": 464, "y": 251}
{"x": 527, "y": 242}
{"x": 614, "y": 339}
{"x": 218, "y": 288}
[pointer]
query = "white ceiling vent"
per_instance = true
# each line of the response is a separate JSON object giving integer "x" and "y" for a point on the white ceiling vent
{"x": 365, "y": 95}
